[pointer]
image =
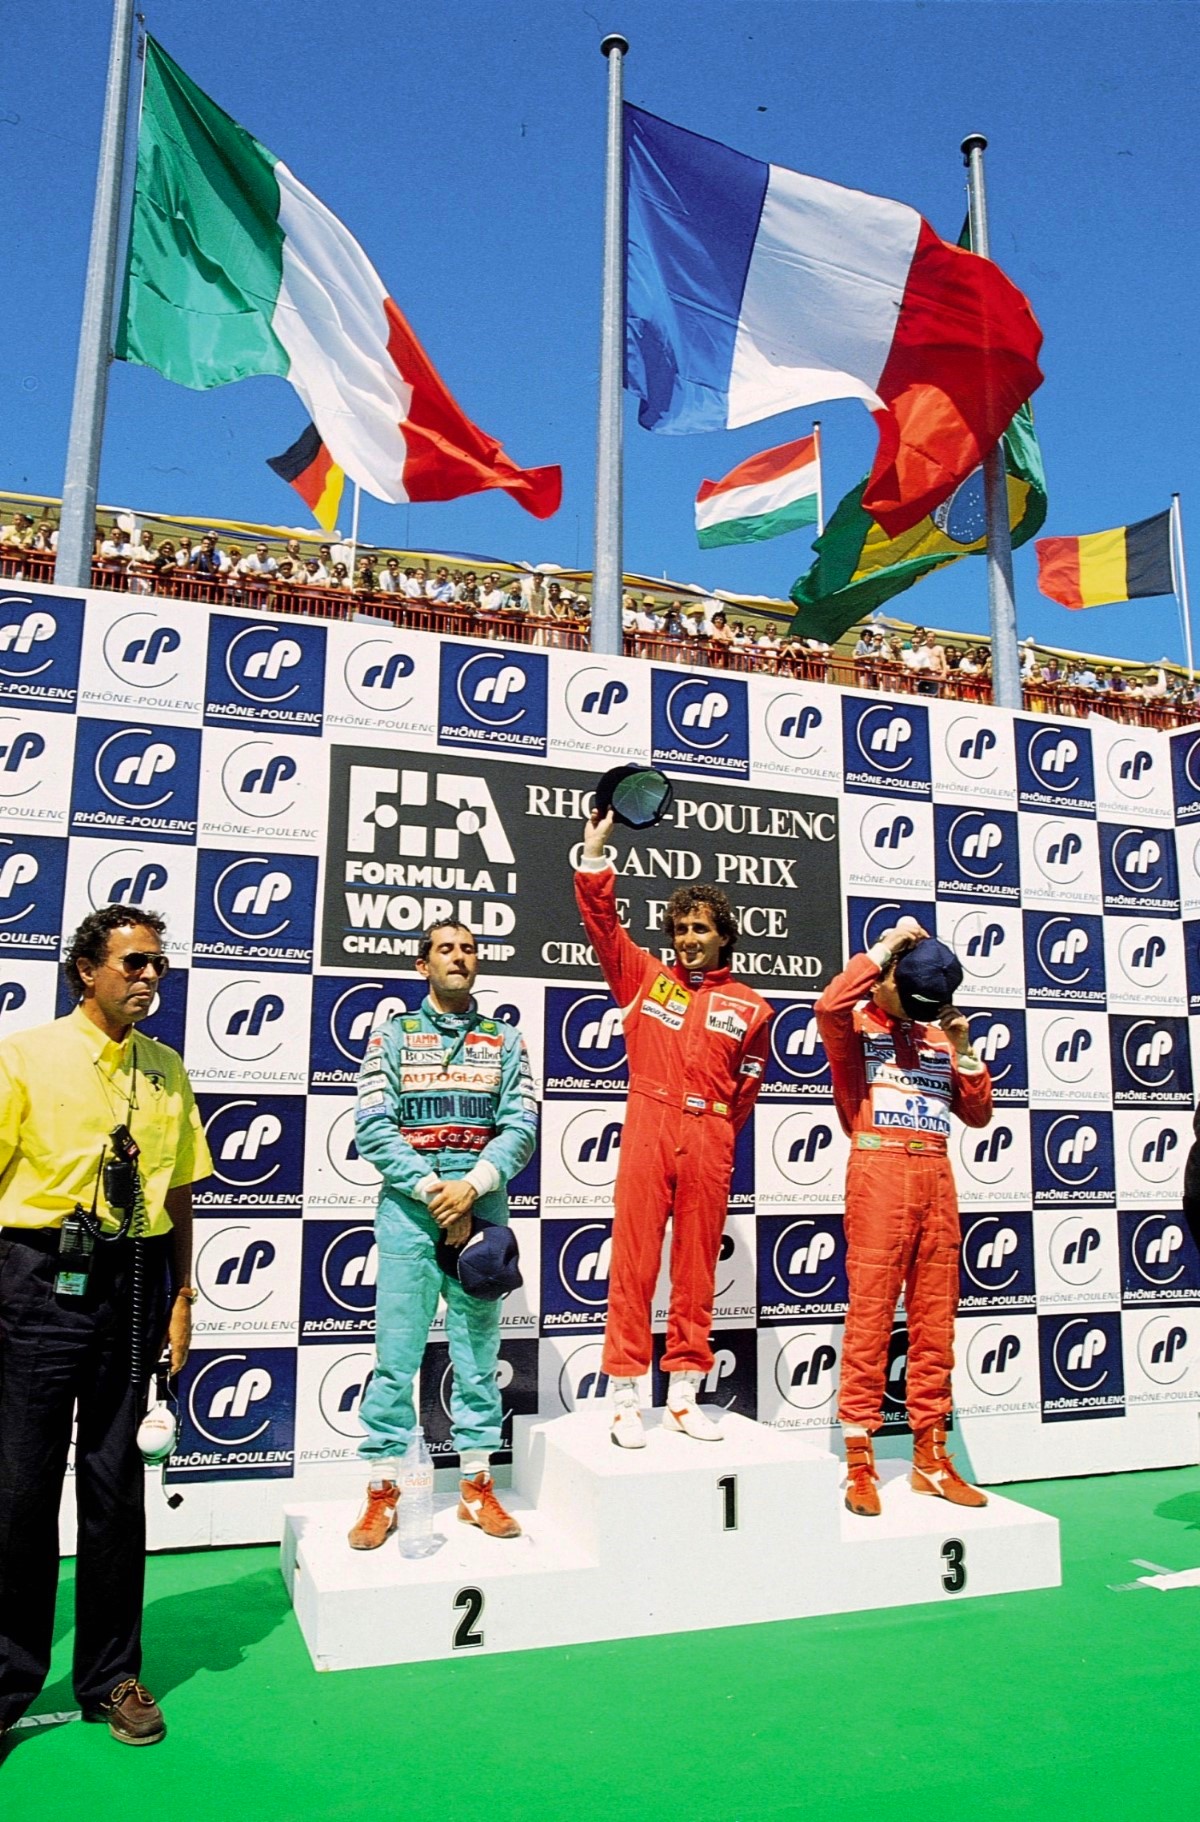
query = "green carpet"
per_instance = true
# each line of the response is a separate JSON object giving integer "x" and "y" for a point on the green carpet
{"x": 1077, "y": 1704}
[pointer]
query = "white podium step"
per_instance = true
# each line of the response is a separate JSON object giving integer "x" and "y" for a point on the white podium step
{"x": 677, "y": 1537}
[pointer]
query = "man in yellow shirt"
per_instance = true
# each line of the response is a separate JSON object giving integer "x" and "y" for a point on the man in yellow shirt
{"x": 66, "y": 1309}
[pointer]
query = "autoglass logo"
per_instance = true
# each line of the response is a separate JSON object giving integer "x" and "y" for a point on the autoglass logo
{"x": 142, "y": 651}
{"x": 259, "y": 779}
{"x": 597, "y": 702}
{"x": 378, "y": 676}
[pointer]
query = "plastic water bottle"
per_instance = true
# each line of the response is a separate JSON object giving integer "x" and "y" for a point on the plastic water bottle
{"x": 416, "y": 1499}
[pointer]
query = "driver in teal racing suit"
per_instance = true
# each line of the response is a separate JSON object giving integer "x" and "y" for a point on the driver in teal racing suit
{"x": 447, "y": 1114}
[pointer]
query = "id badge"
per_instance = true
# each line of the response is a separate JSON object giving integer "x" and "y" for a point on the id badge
{"x": 75, "y": 1249}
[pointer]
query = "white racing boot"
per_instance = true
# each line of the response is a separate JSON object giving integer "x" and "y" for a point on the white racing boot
{"x": 684, "y": 1415}
{"x": 627, "y": 1431}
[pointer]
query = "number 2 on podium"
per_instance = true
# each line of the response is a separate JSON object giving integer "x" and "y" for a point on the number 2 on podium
{"x": 727, "y": 1488}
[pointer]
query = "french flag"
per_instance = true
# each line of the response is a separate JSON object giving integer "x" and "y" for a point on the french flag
{"x": 751, "y": 290}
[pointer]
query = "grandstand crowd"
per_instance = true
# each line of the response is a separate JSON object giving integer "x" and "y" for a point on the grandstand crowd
{"x": 532, "y": 607}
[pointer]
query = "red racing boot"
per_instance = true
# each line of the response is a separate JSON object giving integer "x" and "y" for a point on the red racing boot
{"x": 478, "y": 1505}
{"x": 933, "y": 1471}
{"x": 862, "y": 1482}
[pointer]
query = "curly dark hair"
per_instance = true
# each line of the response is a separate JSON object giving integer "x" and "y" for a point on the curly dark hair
{"x": 90, "y": 941}
{"x": 708, "y": 898}
{"x": 425, "y": 947}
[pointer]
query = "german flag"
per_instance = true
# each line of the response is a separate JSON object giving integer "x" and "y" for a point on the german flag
{"x": 1120, "y": 565}
{"x": 311, "y": 470}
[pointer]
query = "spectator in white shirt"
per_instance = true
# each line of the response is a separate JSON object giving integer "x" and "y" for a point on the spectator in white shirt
{"x": 390, "y": 581}
{"x": 259, "y": 564}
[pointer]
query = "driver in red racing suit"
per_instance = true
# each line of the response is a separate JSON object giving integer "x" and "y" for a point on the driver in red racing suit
{"x": 896, "y": 1081}
{"x": 697, "y": 1045}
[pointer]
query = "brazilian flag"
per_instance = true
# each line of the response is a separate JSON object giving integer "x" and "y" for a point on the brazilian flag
{"x": 859, "y": 567}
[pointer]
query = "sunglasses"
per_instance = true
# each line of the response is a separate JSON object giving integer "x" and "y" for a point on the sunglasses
{"x": 138, "y": 960}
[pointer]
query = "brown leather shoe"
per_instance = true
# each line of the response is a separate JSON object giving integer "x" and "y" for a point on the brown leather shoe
{"x": 133, "y": 1716}
{"x": 862, "y": 1482}
{"x": 377, "y": 1520}
{"x": 934, "y": 1472}
{"x": 478, "y": 1505}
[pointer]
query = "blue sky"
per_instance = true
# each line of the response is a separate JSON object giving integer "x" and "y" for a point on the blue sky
{"x": 463, "y": 145}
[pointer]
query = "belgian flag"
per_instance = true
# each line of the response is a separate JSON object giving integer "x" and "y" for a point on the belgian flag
{"x": 311, "y": 470}
{"x": 1104, "y": 566}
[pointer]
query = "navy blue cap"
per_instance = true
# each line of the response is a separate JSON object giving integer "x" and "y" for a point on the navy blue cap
{"x": 487, "y": 1265}
{"x": 927, "y": 977}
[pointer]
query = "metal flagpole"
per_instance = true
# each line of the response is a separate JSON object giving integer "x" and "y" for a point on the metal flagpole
{"x": 73, "y": 564}
{"x": 607, "y": 567}
{"x": 820, "y": 479}
{"x": 1006, "y": 658}
{"x": 354, "y": 538}
{"x": 1179, "y": 569}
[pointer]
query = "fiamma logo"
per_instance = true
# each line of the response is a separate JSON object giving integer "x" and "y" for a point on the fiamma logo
{"x": 972, "y": 748}
{"x": 265, "y": 674}
{"x": 806, "y": 1369}
{"x": 142, "y": 651}
{"x": 597, "y": 702}
{"x": 377, "y": 674}
{"x": 492, "y": 698}
{"x": 995, "y": 1360}
{"x": 888, "y": 838}
{"x": 886, "y": 747}
{"x": 40, "y": 640}
{"x": 244, "y": 1020}
{"x": 234, "y": 1269}
{"x": 259, "y": 779}
{"x": 591, "y": 1145}
{"x": 699, "y": 725}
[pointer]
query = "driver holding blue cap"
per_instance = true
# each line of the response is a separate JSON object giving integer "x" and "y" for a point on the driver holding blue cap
{"x": 901, "y": 1061}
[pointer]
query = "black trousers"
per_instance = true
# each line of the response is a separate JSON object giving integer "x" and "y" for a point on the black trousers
{"x": 59, "y": 1355}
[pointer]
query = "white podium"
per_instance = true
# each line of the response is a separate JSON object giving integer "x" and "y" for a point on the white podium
{"x": 676, "y": 1537}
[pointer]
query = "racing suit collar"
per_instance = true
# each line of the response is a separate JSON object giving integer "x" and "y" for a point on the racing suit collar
{"x": 695, "y": 977}
{"x": 449, "y": 1021}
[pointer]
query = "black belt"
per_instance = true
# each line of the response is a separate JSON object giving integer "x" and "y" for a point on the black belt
{"x": 43, "y": 1239}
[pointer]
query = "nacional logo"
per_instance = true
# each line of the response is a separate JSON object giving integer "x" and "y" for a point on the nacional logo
{"x": 997, "y": 1263}
{"x": 797, "y": 1067}
{"x": 143, "y": 651}
{"x": 1151, "y": 1060}
{"x": 1139, "y": 871}
{"x": 700, "y": 723}
{"x": 995, "y": 1360}
{"x": 591, "y": 1146}
{"x": 972, "y": 747}
{"x": 135, "y": 779}
{"x": 1054, "y": 768}
{"x": 802, "y": 1149}
{"x": 888, "y": 839}
{"x": 806, "y": 1370}
{"x": 234, "y": 1269}
{"x": 40, "y": 641}
{"x": 1073, "y": 1158}
{"x": 341, "y": 1392}
{"x": 257, "y": 1145}
{"x": 886, "y": 747}
{"x": 490, "y": 698}
{"x": 345, "y": 1015}
{"x": 260, "y": 780}
{"x": 977, "y": 854}
{"x": 585, "y": 1044}
{"x": 257, "y": 908}
{"x": 378, "y": 674}
{"x": 999, "y": 1040}
{"x": 598, "y": 702}
{"x": 33, "y": 872}
{"x": 1083, "y": 1372}
{"x": 238, "y": 1415}
{"x": 265, "y": 674}
{"x": 576, "y": 1267}
{"x": 1064, "y": 959}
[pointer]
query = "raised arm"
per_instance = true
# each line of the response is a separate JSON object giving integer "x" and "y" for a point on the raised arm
{"x": 623, "y": 964}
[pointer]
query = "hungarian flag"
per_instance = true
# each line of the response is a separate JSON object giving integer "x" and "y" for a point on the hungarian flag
{"x": 859, "y": 566}
{"x": 310, "y": 469}
{"x": 1104, "y": 566}
{"x": 751, "y": 289}
{"x": 234, "y": 268}
{"x": 763, "y": 497}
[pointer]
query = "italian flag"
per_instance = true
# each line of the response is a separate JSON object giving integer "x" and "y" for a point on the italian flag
{"x": 234, "y": 268}
{"x": 771, "y": 493}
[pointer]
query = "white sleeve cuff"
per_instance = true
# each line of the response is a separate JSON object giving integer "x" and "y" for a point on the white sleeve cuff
{"x": 595, "y": 863}
{"x": 968, "y": 1065}
{"x": 426, "y": 1185}
{"x": 483, "y": 1177}
{"x": 880, "y": 954}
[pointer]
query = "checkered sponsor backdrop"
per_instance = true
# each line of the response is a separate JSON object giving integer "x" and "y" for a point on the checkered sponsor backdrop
{"x": 301, "y": 799}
